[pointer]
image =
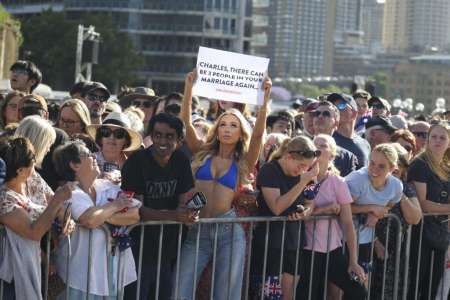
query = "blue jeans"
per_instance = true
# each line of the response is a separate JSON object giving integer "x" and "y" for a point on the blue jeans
{"x": 230, "y": 257}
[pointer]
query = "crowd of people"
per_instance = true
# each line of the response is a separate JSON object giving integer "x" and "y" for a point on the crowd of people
{"x": 347, "y": 175}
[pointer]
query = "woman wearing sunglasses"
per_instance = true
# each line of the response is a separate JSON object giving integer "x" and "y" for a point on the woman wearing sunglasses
{"x": 114, "y": 137}
{"x": 407, "y": 140}
{"x": 282, "y": 182}
{"x": 325, "y": 236}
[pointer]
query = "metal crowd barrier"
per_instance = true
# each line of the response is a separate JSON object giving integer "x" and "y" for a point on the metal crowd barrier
{"x": 402, "y": 260}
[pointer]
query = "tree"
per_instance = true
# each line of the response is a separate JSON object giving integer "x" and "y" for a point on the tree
{"x": 379, "y": 79}
{"x": 50, "y": 42}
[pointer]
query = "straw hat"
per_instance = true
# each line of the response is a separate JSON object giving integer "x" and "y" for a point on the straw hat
{"x": 118, "y": 120}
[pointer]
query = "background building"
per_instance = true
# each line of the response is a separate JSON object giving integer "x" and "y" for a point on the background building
{"x": 297, "y": 36}
{"x": 423, "y": 78}
{"x": 416, "y": 25}
{"x": 166, "y": 32}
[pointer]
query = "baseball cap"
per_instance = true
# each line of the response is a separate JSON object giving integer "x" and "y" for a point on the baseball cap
{"x": 311, "y": 105}
{"x": 382, "y": 122}
{"x": 360, "y": 93}
{"x": 94, "y": 86}
{"x": 378, "y": 100}
{"x": 342, "y": 100}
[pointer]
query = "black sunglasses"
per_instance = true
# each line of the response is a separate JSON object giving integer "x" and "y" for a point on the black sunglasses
{"x": 317, "y": 113}
{"x": 119, "y": 133}
{"x": 307, "y": 153}
{"x": 419, "y": 134}
{"x": 95, "y": 97}
{"x": 146, "y": 104}
{"x": 378, "y": 106}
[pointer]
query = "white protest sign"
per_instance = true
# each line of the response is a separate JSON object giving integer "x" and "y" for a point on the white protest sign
{"x": 230, "y": 76}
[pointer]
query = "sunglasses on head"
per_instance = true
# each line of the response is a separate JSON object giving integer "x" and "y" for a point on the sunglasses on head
{"x": 419, "y": 134}
{"x": 340, "y": 104}
{"x": 95, "y": 97}
{"x": 317, "y": 113}
{"x": 307, "y": 153}
{"x": 146, "y": 103}
{"x": 119, "y": 133}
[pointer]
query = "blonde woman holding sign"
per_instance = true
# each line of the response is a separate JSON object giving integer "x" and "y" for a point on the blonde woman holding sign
{"x": 221, "y": 164}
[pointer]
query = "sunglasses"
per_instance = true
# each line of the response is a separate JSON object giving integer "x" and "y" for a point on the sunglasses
{"x": 95, "y": 97}
{"x": 87, "y": 154}
{"x": 340, "y": 104}
{"x": 422, "y": 135}
{"x": 307, "y": 153}
{"x": 378, "y": 106}
{"x": 318, "y": 113}
{"x": 119, "y": 133}
{"x": 146, "y": 104}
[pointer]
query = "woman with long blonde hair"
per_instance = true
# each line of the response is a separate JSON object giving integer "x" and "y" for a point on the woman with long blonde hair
{"x": 220, "y": 166}
{"x": 430, "y": 174}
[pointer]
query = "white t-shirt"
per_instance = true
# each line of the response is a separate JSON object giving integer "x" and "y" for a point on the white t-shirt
{"x": 78, "y": 261}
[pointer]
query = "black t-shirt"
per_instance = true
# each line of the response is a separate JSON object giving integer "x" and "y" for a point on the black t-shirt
{"x": 357, "y": 145}
{"x": 437, "y": 190}
{"x": 48, "y": 171}
{"x": 271, "y": 175}
{"x": 161, "y": 187}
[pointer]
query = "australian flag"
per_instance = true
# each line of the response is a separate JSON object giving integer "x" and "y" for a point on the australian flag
{"x": 272, "y": 288}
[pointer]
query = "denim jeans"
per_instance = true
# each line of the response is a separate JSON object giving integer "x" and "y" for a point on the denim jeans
{"x": 229, "y": 255}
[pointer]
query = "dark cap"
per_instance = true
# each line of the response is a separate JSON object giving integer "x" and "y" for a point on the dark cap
{"x": 375, "y": 100}
{"x": 94, "y": 86}
{"x": 311, "y": 104}
{"x": 342, "y": 100}
{"x": 140, "y": 92}
{"x": 383, "y": 122}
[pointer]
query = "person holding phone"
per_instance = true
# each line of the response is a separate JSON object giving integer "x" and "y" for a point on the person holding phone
{"x": 333, "y": 198}
{"x": 94, "y": 202}
{"x": 161, "y": 177}
{"x": 284, "y": 184}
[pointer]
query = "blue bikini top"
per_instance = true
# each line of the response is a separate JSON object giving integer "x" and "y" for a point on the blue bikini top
{"x": 229, "y": 179}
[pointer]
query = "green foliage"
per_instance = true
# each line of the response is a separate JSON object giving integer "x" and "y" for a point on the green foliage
{"x": 50, "y": 41}
{"x": 379, "y": 79}
{"x": 6, "y": 18}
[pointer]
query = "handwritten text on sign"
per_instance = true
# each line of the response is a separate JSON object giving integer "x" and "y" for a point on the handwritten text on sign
{"x": 230, "y": 76}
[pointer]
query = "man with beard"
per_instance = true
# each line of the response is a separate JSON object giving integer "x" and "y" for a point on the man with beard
{"x": 161, "y": 177}
{"x": 95, "y": 96}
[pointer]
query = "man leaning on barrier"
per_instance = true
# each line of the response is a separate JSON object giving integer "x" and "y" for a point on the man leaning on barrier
{"x": 161, "y": 178}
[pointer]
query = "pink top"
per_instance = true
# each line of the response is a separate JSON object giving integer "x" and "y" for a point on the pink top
{"x": 332, "y": 190}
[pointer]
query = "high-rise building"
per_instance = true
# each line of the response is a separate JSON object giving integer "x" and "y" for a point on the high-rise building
{"x": 166, "y": 32}
{"x": 297, "y": 35}
{"x": 416, "y": 25}
{"x": 372, "y": 24}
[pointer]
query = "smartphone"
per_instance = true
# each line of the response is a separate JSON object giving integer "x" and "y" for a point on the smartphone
{"x": 302, "y": 209}
{"x": 198, "y": 201}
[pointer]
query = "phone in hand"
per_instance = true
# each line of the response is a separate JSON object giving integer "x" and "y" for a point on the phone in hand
{"x": 197, "y": 202}
{"x": 302, "y": 209}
